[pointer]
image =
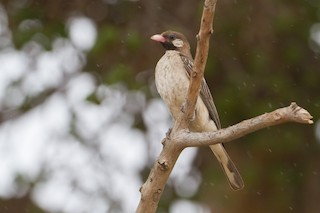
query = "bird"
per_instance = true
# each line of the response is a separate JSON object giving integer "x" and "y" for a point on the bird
{"x": 172, "y": 79}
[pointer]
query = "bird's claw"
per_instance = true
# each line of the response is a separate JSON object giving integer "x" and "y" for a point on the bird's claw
{"x": 168, "y": 133}
{"x": 183, "y": 108}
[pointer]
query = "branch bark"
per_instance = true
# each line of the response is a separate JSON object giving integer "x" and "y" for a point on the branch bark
{"x": 152, "y": 189}
{"x": 292, "y": 113}
{"x": 175, "y": 142}
{"x": 200, "y": 60}
{"x": 180, "y": 137}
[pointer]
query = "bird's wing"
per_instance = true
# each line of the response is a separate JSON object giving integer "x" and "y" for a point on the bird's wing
{"x": 205, "y": 94}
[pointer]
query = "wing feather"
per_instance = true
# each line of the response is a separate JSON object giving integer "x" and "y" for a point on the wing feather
{"x": 205, "y": 93}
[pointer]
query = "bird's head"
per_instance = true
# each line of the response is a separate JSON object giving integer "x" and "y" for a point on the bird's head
{"x": 172, "y": 40}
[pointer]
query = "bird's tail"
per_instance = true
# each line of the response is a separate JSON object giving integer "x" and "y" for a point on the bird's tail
{"x": 231, "y": 171}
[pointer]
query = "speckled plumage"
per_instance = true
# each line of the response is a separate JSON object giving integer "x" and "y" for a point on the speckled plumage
{"x": 172, "y": 82}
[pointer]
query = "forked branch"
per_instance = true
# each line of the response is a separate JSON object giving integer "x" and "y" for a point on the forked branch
{"x": 180, "y": 137}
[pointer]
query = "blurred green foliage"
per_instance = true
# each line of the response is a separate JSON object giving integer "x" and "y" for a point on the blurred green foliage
{"x": 39, "y": 28}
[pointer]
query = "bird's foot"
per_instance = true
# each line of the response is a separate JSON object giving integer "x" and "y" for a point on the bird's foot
{"x": 183, "y": 107}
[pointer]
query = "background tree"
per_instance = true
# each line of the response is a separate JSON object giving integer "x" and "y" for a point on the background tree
{"x": 76, "y": 87}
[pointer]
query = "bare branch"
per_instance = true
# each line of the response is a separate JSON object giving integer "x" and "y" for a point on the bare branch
{"x": 179, "y": 137}
{"x": 292, "y": 113}
{"x": 152, "y": 189}
{"x": 199, "y": 62}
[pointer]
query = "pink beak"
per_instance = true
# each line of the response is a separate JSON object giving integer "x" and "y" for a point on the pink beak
{"x": 158, "y": 38}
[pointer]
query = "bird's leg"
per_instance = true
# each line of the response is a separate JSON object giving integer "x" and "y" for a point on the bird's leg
{"x": 183, "y": 107}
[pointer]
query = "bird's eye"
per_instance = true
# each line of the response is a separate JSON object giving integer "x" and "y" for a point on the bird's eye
{"x": 172, "y": 37}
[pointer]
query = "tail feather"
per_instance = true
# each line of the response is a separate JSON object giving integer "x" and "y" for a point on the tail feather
{"x": 229, "y": 168}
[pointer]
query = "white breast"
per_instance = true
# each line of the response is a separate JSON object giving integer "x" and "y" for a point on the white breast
{"x": 172, "y": 84}
{"x": 171, "y": 81}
